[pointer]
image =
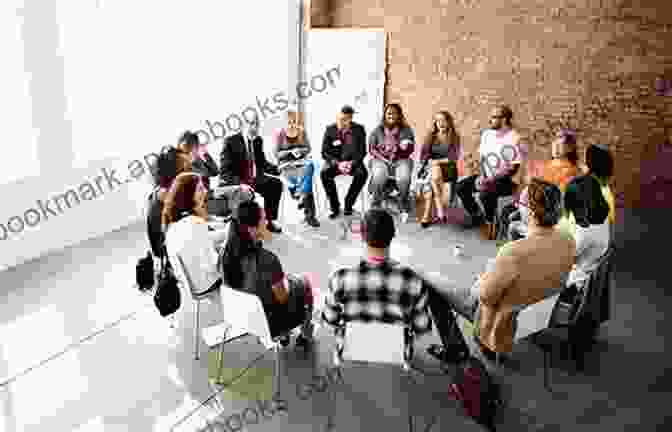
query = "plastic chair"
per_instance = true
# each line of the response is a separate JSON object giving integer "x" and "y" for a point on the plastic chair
{"x": 245, "y": 315}
{"x": 393, "y": 345}
{"x": 187, "y": 263}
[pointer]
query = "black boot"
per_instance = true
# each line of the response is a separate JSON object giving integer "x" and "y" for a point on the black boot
{"x": 309, "y": 210}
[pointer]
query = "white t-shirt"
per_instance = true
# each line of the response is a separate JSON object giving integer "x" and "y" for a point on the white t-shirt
{"x": 498, "y": 151}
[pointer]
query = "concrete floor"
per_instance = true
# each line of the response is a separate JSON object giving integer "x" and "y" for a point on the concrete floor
{"x": 83, "y": 351}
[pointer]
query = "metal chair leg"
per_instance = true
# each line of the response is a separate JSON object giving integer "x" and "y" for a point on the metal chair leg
{"x": 276, "y": 377}
{"x": 198, "y": 324}
{"x": 547, "y": 366}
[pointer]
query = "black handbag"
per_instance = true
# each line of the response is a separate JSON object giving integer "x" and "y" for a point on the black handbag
{"x": 167, "y": 297}
{"x": 144, "y": 273}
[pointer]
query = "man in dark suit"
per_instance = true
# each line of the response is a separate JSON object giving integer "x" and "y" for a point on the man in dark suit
{"x": 343, "y": 150}
{"x": 243, "y": 163}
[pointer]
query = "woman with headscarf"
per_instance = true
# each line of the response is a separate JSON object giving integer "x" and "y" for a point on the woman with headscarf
{"x": 247, "y": 266}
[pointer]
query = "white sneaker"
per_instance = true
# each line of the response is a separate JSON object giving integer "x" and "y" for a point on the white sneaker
{"x": 404, "y": 217}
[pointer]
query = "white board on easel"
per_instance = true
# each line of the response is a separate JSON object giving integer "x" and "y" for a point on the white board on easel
{"x": 361, "y": 57}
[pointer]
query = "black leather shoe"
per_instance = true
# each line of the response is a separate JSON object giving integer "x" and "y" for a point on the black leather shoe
{"x": 347, "y": 212}
{"x": 274, "y": 228}
{"x": 312, "y": 222}
{"x": 334, "y": 214}
{"x": 424, "y": 225}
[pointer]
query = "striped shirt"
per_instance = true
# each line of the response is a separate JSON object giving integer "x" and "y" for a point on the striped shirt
{"x": 386, "y": 293}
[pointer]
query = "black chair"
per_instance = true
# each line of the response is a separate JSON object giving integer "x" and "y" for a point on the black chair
{"x": 575, "y": 323}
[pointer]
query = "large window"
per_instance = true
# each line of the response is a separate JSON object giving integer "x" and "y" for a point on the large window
{"x": 18, "y": 137}
{"x": 138, "y": 73}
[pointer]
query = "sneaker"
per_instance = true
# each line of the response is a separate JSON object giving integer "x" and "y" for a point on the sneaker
{"x": 404, "y": 217}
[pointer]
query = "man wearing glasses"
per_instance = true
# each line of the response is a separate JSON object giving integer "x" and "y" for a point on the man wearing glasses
{"x": 500, "y": 159}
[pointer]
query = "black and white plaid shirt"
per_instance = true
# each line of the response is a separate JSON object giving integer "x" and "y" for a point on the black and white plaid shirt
{"x": 386, "y": 293}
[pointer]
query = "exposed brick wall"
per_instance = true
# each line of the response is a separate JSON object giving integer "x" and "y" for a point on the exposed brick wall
{"x": 592, "y": 62}
{"x": 318, "y": 13}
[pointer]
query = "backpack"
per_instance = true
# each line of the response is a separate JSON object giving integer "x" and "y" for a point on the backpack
{"x": 167, "y": 297}
{"x": 144, "y": 273}
{"x": 167, "y": 163}
{"x": 480, "y": 395}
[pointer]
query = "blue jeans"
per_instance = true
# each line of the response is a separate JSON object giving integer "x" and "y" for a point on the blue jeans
{"x": 303, "y": 183}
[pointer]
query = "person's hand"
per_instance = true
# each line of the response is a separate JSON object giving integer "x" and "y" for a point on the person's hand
{"x": 247, "y": 188}
{"x": 297, "y": 153}
{"x": 337, "y": 143}
{"x": 343, "y": 167}
{"x": 348, "y": 167}
{"x": 404, "y": 144}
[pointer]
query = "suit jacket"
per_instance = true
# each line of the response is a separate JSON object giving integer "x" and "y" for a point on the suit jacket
{"x": 526, "y": 271}
{"x": 205, "y": 167}
{"x": 354, "y": 152}
{"x": 234, "y": 161}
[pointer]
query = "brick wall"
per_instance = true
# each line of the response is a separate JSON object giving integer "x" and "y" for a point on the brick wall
{"x": 589, "y": 63}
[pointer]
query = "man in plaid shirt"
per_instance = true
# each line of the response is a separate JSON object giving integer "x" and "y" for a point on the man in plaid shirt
{"x": 381, "y": 290}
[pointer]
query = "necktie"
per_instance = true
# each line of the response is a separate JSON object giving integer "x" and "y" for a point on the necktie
{"x": 250, "y": 151}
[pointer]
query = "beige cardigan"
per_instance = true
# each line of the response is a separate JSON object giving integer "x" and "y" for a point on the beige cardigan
{"x": 525, "y": 272}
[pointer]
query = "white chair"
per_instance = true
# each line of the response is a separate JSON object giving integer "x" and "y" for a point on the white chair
{"x": 285, "y": 194}
{"x": 244, "y": 313}
{"x": 342, "y": 182}
{"x": 393, "y": 345}
{"x": 187, "y": 261}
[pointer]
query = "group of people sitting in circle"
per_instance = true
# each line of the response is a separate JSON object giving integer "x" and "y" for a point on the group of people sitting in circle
{"x": 560, "y": 226}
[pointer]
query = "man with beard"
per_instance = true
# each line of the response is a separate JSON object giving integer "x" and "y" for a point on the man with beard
{"x": 500, "y": 156}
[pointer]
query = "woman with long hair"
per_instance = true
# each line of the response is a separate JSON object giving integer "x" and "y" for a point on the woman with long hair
{"x": 187, "y": 196}
{"x": 247, "y": 266}
{"x": 441, "y": 150}
{"x": 184, "y": 220}
{"x": 391, "y": 146}
{"x": 292, "y": 151}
